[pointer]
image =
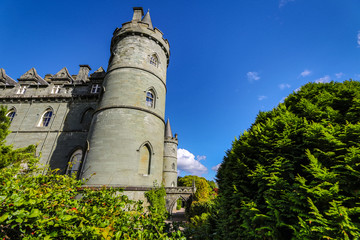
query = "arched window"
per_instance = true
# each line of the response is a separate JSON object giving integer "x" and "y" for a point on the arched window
{"x": 86, "y": 118}
{"x": 45, "y": 119}
{"x": 11, "y": 114}
{"x": 173, "y": 166}
{"x": 145, "y": 160}
{"x": 150, "y": 99}
{"x": 154, "y": 60}
{"x": 74, "y": 162}
{"x": 173, "y": 184}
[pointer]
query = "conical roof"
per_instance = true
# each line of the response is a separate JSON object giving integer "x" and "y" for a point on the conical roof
{"x": 168, "y": 133}
{"x": 147, "y": 19}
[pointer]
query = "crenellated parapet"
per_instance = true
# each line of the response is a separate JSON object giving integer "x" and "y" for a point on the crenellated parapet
{"x": 142, "y": 27}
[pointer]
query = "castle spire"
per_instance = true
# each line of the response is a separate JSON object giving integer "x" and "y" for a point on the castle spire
{"x": 147, "y": 19}
{"x": 168, "y": 133}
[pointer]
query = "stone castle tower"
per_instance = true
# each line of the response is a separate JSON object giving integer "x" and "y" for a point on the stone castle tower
{"x": 126, "y": 138}
{"x": 107, "y": 126}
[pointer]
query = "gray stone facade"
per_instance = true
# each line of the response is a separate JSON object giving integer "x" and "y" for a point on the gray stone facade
{"x": 107, "y": 127}
{"x": 71, "y": 102}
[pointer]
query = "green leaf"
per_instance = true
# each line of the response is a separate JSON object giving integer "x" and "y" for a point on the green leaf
{"x": 4, "y": 217}
{"x": 66, "y": 217}
{"x": 34, "y": 213}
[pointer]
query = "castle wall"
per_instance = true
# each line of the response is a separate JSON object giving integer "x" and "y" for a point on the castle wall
{"x": 135, "y": 51}
{"x": 115, "y": 118}
{"x": 67, "y": 129}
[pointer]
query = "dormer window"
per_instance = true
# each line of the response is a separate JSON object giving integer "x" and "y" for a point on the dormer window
{"x": 150, "y": 99}
{"x": 21, "y": 90}
{"x": 55, "y": 89}
{"x": 154, "y": 60}
{"x": 95, "y": 88}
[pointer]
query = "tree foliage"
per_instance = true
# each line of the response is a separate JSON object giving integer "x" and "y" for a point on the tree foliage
{"x": 7, "y": 154}
{"x": 156, "y": 199}
{"x": 53, "y": 206}
{"x": 295, "y": 174}
{"x": 202, "y": 210}
{"x": 204, "y": 187}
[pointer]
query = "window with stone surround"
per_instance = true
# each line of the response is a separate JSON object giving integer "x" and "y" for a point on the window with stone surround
{"x": 150, "y": 99}
{"x": 46, "y": 118}
{"x": 11, "y": 114}
{"x": 95, "y": 88}
{"x": 154, "y": 60}
{"x": 21, "y": 90}
{"x": 74, "y": 162}
{"x": 55, "y": 89}
{"x": 145, "y": 160}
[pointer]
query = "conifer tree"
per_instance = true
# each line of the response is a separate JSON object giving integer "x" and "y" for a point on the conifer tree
{"x": 295, "y": 174}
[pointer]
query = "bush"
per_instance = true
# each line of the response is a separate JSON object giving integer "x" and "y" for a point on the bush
{"x": 156, "y": 198}
{"x": 295, "y": 174}
{"x": 53, "y": 206}
{"x": 178, "y": 204}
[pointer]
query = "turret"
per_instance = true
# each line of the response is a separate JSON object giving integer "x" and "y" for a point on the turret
{"x": 126, "y": 138}
{"x": 170, "y": 157}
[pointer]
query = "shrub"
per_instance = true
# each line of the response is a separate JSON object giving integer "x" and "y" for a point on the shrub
{"x": 295, "y": 174}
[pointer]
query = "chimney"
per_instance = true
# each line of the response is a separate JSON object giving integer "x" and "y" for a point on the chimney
{"x": 83, "y": 74}
{"x": 138, "y": 13}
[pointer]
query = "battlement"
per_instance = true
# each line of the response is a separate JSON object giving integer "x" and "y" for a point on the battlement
{"x": 142, "y": 27}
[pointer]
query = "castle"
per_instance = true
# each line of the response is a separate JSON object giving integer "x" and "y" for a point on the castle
{"x": 107, "y": 126}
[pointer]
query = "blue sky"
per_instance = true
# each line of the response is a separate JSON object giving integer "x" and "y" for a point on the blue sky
{"x": 229, "y": 59}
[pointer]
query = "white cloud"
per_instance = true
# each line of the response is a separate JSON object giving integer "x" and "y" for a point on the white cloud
{"x": 298, "y": 89}
{"x": 260, "y": 98}
{"x": 186, "y": 162}
{"x": 358, "y": 38}
{"x": 339, "y": 75}
{"x": 253, "y": 76}
{"x": 200, "y": 157}
{"x": 216, "y": 168}
{"x": 305, "y": 73}
{"x": 324, "y": 79}
{"x": 284, "y": 2}
{"x": 282, "y": 100}
{"x": 284, "y": 85}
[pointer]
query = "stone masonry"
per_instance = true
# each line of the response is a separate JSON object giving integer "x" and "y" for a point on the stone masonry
{"x": 107, "y": 127}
